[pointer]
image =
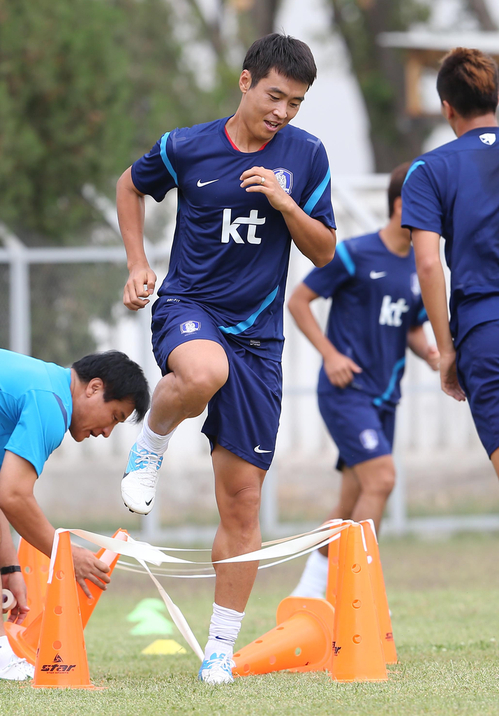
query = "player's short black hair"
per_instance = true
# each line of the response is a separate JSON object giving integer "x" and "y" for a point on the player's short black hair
{"x": 397, "y": 178}
{"x": 282, "y": 53}
{"x": 123, "y": 379}
{"x": 468, "y": 80}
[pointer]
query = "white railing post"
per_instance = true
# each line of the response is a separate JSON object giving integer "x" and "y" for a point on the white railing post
{"x": 19, "y": 293}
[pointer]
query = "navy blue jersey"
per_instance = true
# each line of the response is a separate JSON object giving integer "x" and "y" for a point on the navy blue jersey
{"x": 231, "y": 248}
{"x": 376, "y": 300}
{"x": 454, "y": 191}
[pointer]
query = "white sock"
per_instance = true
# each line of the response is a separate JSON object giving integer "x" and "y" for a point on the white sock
{"x": 6, "y": 652}
{"x": 224, "y": 628}
{"x": 151, "y": 441}
{"x": 313, "y": 581}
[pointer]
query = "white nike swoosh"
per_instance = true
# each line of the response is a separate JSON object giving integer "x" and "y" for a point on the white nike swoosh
{"x": 257, "y": 449}
{"x": 204, "y": 183}
{"x": 377, "y": 274}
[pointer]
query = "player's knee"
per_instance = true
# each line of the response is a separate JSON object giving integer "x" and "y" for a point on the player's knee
{"x": 383, "y": 484}
{"x": 243, "y": 508}
{"x": 201, "y": 384}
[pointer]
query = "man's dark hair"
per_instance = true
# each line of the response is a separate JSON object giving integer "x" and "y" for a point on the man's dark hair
{"x": 123, "y": 379}
{"x": 468, "y": 81}
{"x": 397, "y": 178}
{"x": 282, "y": 53}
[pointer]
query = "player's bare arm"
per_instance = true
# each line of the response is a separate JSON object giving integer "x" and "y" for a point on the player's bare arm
{"x": 18, "y": 503}
{"x": 130, "y": 207}
{"x": 418, "y": 343}
{"x": 340, "y": 369}
{"x": 432, "y": 281}
{"x": 315, "y": 240}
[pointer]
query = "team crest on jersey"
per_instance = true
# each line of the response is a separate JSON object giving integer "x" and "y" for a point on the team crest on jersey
{"x": 190, "y": 326}
{"x": 285, "y": 179}
{"x": 369, "y": 439}
{"x": 415, "y": 287}
{"x": 488, "y": 138}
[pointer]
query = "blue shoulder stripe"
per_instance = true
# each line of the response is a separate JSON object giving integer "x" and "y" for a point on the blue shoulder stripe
{"x": 412, "y": 168}
{"x": 166, "y": 160}
{"x": 317, "y": 193}
{"x": 243, "y": 325}
{"x": 342, "y": 252}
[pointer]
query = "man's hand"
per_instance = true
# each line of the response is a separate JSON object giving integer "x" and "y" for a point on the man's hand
{"x": 139, "y": 287}
{"x": 448, "y": 376}
{"x": 433, "y": 357}
{"x": 16, "y": 584}
{"x": 87, "y": 566}
{"x": 252, "y": 181}
{"x": 340, "y": 369}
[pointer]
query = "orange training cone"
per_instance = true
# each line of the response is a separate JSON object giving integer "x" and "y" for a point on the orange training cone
{"x": 301, "y": 641}
{"x": 24, "y": 639}
{"x": 357, "y": 649}
{"x": 333, "y": 564}
{"x": 87, "y": 605}
{"x": 35, "y": 570}
{"x": 378, "y": 585}
{"x": 61, "y": 661}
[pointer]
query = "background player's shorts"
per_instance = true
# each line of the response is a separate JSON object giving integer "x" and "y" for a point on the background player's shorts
{"x": 243, "y": 416}
{"x": 361, "y": 430}
{"x": 478, "y": 373}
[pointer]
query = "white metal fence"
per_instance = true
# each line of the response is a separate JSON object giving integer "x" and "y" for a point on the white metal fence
{"x": 442, "y": 467}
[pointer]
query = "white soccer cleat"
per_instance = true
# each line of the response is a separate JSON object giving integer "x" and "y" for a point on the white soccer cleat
{"x": 17, "y": 670}
{"x": 138, "y": 486}
{"x": 217, "y": 669}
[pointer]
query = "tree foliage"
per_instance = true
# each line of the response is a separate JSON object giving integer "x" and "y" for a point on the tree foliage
{"x": 59, "y": 117}
{"x": 379, "y": 72}
{"x": 85, "y": 87}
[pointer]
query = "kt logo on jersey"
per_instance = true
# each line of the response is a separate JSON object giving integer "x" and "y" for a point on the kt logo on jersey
{"x": 230, "y": 228}
{"x": 391, "y": 311}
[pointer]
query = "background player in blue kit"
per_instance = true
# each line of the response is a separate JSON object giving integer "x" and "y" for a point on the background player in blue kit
{"x": 376, "y": 313}
{"x": 453, "y": 192}
{"x": 39, "y": 402}
{"x": 248, "y": 185}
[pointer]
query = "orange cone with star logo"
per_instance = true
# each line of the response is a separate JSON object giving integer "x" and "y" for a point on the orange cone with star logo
{"x": 61, "y": 661}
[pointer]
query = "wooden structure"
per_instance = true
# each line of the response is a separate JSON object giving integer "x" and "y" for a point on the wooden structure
{"x": 424, "y": 50}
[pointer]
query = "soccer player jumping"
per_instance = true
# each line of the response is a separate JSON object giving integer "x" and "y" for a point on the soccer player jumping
{"x": 248, "y": 185}
{"x": 453, "y": 192}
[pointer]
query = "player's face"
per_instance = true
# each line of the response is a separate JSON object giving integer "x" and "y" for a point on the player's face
{"x": 92, "y": 415}
{"x": 271, "y": 104}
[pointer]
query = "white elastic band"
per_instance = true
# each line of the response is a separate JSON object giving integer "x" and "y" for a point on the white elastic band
{"x": 282, "y": 550}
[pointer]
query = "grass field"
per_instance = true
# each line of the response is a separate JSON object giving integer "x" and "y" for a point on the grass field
{"x": 443, "y": 596}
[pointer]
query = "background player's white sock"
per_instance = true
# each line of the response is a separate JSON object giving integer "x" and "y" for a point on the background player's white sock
{"x": 224, "y": 628}
{"x": 313, "y": 581}
{"x": 6, "y": 652}
{"x": 151, "y": 441}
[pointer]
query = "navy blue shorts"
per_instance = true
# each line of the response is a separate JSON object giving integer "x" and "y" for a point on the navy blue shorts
{"x": 478, "y": 373}
{"x": 243, "y": 416}
{"x": 361, "y": 430}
